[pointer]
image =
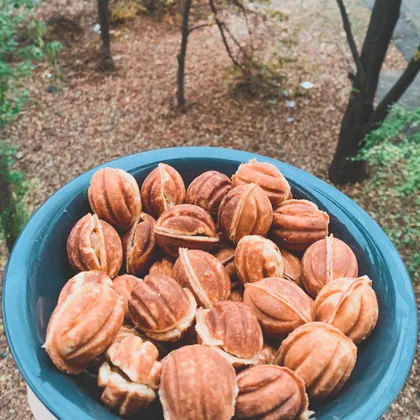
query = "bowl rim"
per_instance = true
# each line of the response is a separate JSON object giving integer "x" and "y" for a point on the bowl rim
{"x": 399, "y": 367}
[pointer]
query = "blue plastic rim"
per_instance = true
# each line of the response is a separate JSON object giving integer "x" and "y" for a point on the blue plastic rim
{"x": 38, "y": 269}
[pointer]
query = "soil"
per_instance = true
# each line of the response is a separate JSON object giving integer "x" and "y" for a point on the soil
{"x": 94, "y": 117}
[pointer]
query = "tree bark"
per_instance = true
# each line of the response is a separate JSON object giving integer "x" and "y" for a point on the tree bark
{"x": 182, "y": 55}
{"x": 356, "y": 121}
{"x": 105, "y": 38}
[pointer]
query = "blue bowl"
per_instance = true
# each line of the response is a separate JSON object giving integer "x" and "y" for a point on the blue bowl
{"x": 38, "y": 268}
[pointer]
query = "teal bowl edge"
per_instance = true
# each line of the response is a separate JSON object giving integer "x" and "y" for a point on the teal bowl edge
{"x": 15, "y": 310}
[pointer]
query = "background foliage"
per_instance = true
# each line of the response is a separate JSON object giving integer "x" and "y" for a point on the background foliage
{"x": 393, "y": 151}
{"x": 23, "y": 42}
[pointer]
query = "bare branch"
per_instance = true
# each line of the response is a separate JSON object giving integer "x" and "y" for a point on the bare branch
{"x": 236, "y": 42}
{"x": 194, "y": 28}
{"x": 395, "y": 93}
{"x": 350, "y": 39}
{"x": 220, "y": 25}
{"x": 245, "y": 11}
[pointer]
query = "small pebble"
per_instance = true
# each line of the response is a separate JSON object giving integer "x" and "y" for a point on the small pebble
{"x": 306, "y": 85}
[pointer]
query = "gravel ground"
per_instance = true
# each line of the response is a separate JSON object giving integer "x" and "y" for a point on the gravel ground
{"x": 96, "y": 117}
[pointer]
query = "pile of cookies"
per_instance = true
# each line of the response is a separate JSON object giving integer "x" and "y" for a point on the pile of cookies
{"x": 181, "y": 296}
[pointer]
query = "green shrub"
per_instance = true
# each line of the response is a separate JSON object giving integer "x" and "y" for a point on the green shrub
{"x": 268, "y": 53}
{"x": 393, "y": 153}
{"x": 17, "y": 57}
{"x": 13, "y": 184}
{"x": 23, "y": 42}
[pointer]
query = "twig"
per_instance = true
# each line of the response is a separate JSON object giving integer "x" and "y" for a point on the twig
{"x": 244, "y": 11}
{"x": 395, "y": 93}
{"x": 194, "y": 28}
{"x": 350, "y": 39}
{"x": 222, "y": 33}
{"x": 236, "y": 42}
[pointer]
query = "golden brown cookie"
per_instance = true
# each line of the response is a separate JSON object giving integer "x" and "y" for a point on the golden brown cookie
{"x": 161, "y": 308}
{"x": 321, "y": 355}
{"x": 162, "y": 189}
{"x": 327, "y": 260}
{"x": 268, "y": 177}
{"x": 94, "y": 245}
{"x": 197, "y": 384}
{"x": 245, "y": 210}
{"x": 185, "y": 226}
{"x": 232, "y": 330}
{"x": 115, "y": 197}
{"x": 203, "y": 274}
{"x": 297, "y": 224}
{"x": 349, "y": 305}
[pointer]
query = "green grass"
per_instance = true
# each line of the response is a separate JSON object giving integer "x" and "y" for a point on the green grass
{"x": 392, "y": 195}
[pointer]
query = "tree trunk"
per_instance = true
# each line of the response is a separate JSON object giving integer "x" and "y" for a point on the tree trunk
{"x": 7, "y": 210}
{"x": 355, "y": 124}
{"x": 106, "y": 43}
{"x": 352, "y": 132}
{"x": 180, "y": 95}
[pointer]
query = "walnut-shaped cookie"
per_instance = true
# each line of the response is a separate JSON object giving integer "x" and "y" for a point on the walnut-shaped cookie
{"x": 245, "y": 210}
{"x": 122, "y": 395}
{"x": 203, "y": 274}
{"x": 280, "y": 305}
{"x": 327, "y": 260}
{"x": 79, "y": 280}
{"x": 139, "y": 244}
{"x": 136, "y": 358}
{"x": 208, "y": 190}
{"x": 162, "y": 189}
{"x": 226, "y": 255}
{"x": 123, "y": 286}
{"x": 349, "y": 305}
{"x": 297, "y": 224}
{"x": 197, "y": 384}
{"x": 94, "y": 245}
{"x": 232, "y": 330}
{"x": 130, "y": 375}
{"x": 271, "y": 392}
{"x": 114, "y": 196}
{"x": 268, "y": 177}
{"x": 84, "y": 323}
{"x": 128, "y": 330}
{"x": 257, "y": 258}
{"x": 163, "y": 266}
{"x": 185, "y": 226}
{"x": 292, "y": 267}
{"x": 161, "y": 308}
{"x": 321, "y": 355}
